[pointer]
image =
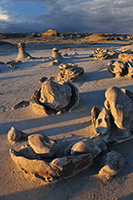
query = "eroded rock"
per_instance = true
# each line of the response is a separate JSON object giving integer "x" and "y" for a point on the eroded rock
{"x": 55, "y": 95}
{"x": 85, "y": 146}
{"x": 38, "y": 168}
{"x": 101, "y": 121}
{"x": 117, "y": 67}
{"x": 121, "y": 108}
{"x": 14, "y": 135}
{"x": 69, "y": 166}
{"x": 69, "y": 72}
{"x": 72, "y": 99}
{"x": 43, "y": 145}
{"x": 22, "y": 53}
{"x": 56, "y": 54}
{"x": 124, "y": 57}
{"x": 112, "y": 164}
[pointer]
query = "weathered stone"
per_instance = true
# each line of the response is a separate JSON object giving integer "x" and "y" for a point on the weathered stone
{"x": 69, "y": 166}
{"x": 85, "y": 146}
{"x": 22, "y": 53}
{"x": 117, "y": 67}
{"x": 102, "y": 54}
{"x": 69, "y": 72}
{"x": 121, "y": 108}
{"x": 55, "y": 95}
{"x": 38, "y": 168}
{"x": 56, "y": 54}
{"x": 112, "y": 164}
{"x": 28, "y": 152}
{"x": 101, "y": 121}
{"x": 43, "y": 145}
{"x": 124, "y": 57}
{"x": 74, "y": 100}
{"x": 14, "y": 135}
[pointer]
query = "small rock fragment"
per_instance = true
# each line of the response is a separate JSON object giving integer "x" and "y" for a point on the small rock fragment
{"x": 14, "y": 135}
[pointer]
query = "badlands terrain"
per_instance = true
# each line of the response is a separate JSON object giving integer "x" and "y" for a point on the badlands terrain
{"x": 19, "y": 82}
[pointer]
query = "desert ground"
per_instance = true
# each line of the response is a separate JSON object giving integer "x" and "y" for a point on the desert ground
{"x": 19, "y": 83}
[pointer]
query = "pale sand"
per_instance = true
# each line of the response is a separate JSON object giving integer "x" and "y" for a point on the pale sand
{"x": 21, "y": 84}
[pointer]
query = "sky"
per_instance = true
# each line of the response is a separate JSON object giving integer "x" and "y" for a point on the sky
{"x": 91, "y": 16}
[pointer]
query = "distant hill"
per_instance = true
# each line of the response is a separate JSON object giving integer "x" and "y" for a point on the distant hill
{"x": 68, "y": 35}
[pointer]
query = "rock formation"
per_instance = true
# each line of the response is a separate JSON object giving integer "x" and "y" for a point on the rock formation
{"x": 56, "y": 54}
{"x": 43, "y": 145}
{"x": 112, "y": 163}
{"x": 69, "y": 72}
{"x": 22, "y": 53}
{"x": 115, "y": 122}
{"x": 15, "y": 135}
{"x": 54, "y": 97}
{"x": 101, "y": 121}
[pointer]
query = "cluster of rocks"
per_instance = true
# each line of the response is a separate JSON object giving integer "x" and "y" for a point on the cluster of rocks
{"x": 48, "y": 160}
{"x": 43, "y": 157}
{"x": 123, "y": 66}
{"x": 115, "y": 117}
{"x": 102, "y": 54}
{"x": 69, "y": 72}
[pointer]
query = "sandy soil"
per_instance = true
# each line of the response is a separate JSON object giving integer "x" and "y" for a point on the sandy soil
{"x": 20, "y": 83}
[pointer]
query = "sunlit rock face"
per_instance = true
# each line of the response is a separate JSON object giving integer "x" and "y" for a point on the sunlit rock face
{"x": 21, "y": 52}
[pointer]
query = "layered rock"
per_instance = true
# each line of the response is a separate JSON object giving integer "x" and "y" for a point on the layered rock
{"x": 69, "y": 72}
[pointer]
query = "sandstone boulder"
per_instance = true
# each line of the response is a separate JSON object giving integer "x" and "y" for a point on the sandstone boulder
{"x": 101, "y": 121}
{"x": 121, "y": 108}
{"x": 37, "y": 168}
{"x": 112, "y": 164}
{"x": 69, "y": 166}
{"x": 58, "y": 102}
{"x": 55, "y": 95}
{"x": 86, "y": 146}
{"x": 43, "y": 145}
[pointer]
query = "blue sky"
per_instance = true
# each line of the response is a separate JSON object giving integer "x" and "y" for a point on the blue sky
{"x": 105, "y": 16}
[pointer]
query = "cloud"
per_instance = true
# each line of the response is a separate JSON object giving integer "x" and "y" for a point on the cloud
{"x": 4, "y": 15}
{"x": 70, "y": 16}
